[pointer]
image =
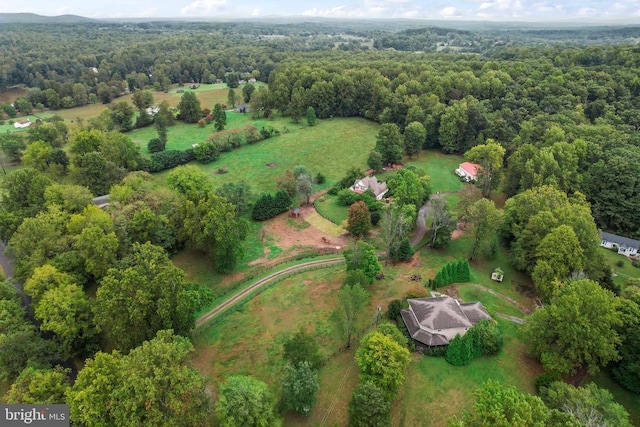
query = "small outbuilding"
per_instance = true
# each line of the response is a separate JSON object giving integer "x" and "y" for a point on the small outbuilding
{"x": 497, "y": 275}
{"x": 21, "y": 124}
{"x": 295, "y": 213}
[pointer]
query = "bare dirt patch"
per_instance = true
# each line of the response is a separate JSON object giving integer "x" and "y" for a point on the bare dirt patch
{"x": 271, "y": 165}
{"x": 287, "y": 235}
{"x": 456, "y": 234}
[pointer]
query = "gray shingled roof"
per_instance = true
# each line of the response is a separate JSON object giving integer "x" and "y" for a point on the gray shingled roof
{"x": 431, "y": 320}
{"x": 439, "y": 313}
{"x": 620, "y": 240}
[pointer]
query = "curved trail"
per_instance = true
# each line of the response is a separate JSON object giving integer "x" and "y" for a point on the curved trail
{"x": 233, "y": 300}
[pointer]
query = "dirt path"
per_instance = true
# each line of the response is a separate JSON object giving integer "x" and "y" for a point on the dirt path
{"x": 5, "y": 262}
{"x": 511, "y": 301}
{"x": 513, "y": 319}
{"x": 233, "y": 300}
{"x": 421, "y": 221}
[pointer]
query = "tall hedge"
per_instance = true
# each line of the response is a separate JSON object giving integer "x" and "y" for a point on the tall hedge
{"x": 268, "y": 206}
{"x": 453, "y": 272}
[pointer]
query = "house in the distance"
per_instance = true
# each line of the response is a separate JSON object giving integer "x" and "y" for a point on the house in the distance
{"x": 379, "y": 189}
{"x": 436, "y": 321}
{"x": 22, "y": 124}
{"x": 624, "y": 245}
{"x": 468, "y": 171}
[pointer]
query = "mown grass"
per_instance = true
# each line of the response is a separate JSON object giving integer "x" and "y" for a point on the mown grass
{"x": 329, "y": 208}
{"x": 331, "y": 148}
{"x": 629, "y": 400}
{"x": 440, "y": 167}
{"x": 8, "y": 123}
{"x": 620, "y": 273}
{"x": 434, "y": 390}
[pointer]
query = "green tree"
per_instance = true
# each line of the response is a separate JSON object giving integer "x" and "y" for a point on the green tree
{"x": 442, "y": 224}
{"x": 122, "y": 115}
{"x": 559, "y": 255}
{"x": 45, "y": 278}
{"x": 351, "y": 302}
{"x": 409, "y": 187}
{"x": 392, "y": 331}
{"x": 459, "y": 351}
{"x": 626, "y": 371}
{"x": 95, "y": 172}
{"x": 39, "y": 386}
{"x": 210, "y": 224}
{"x": 37, "y": 155}
{"x": 66, "y": 311}
{"x": 219, "y": 117}
{"x": 189, "y": 107}
{"x": 120, "y": 150}
{"x": 369, "y": 406}
{"x": 576, "y": 333}
{"x": 152, "y": 385}
{"x": 362, "y": 256}
{"x": 359, "y": 219}
{"x": 485, "y": 220}
{"x": 142, "y": 99}
{"x": 590, "y": 405}
{"x": 504, "y": 406}
{"x": 311, "y": 117}
{"x": 245, "y": 401}
{"x": 490, "y": 157}
{"x": 247, "y": 90}
{"x": 146, "y": 290}
{"x": 382, "y": 361}
{"x": 302, "y": 347}
{"x": 13, "y": 145}
{"x": 299, "y": 387}
{"x": 389, "y": 143}
{"x": 189, "y": 181}
{"x": 304, "y": 186}
{"x": 69, "y": 197}
{"x": 414, "y": 137}
{"x": 98, "y": 249}
{"x": 491, "y": 340}
{"x": 374, "y": 161}
{"x": 239, "y": 194}
{"x": 231, "y": 98}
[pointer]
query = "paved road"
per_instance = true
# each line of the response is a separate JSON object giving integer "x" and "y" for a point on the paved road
{"x": 5, "y": 262}
{"x": 421, "y": 221}
{"x": 227, "y": 304}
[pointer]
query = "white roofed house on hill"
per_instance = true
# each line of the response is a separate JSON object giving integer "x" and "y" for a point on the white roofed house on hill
{"x": 623, "y": 245}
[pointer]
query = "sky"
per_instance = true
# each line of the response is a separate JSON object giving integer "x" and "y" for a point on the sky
{"x": 476, "y": 10}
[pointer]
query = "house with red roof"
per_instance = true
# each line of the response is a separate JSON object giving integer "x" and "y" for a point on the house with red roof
{"x": 468, "y": 171}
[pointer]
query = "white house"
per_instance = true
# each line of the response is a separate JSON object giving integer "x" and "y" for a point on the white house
{"x": 624, "y": 245}
{"x": 378, "y": 188}
{"x": 22, "y": 124}
{"x": 436, "y": 321}
{"x": 468, "y": 171}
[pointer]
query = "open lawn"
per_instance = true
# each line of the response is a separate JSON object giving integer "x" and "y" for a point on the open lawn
{"x": 328, "y": 206}
{"x": 8, "y": 123}
{"x": 434, "y": 390}
{"x": 440, "y": 167}
{"x": 620, "y": 266}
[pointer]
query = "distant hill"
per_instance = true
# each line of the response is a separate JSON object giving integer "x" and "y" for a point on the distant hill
{"x": 32, "y": 18}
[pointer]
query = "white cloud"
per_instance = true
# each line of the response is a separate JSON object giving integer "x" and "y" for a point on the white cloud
{"x": 586, "y": 11}
{"x": 546, "y": 7}
{"x": 255, "y": 12}
{"x": 486, "y": 5}
{"x": 203, "y": 7}
{"x": 65, "y": 10}
{"x": 449, "y": 12}
{"x": 148, "y": 13}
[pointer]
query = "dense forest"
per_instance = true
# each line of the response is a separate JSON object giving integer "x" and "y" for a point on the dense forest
{"x": 562, "y": 109}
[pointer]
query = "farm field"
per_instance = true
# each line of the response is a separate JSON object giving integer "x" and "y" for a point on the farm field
{"x": 331, "y": 147}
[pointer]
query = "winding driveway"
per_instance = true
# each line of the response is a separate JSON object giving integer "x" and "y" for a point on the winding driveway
{"x": 421, "y": 221}
{"x": 235, "y": 299}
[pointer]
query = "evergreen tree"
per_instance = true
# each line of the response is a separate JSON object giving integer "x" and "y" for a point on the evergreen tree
{"x": 219, "y": 117}
{"x": 459, "y": 352}
{"x": 312, "y": 120}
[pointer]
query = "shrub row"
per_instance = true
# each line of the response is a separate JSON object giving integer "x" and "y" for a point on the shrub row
{"x": 268, "y": 206}
{"x": 167, "y": 160}
{"x": 453, "y": 272}
{"x": 484, "y": 339}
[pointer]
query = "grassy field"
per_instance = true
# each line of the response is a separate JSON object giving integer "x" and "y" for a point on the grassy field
{"x": 331, "y": 147}
{"x": 620, "y": 272}
{"x": 329, "y": 208}
{"x": 8, "y": 123}
{"x": 440, "y": 167}
{"x": 249, "y": 341}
